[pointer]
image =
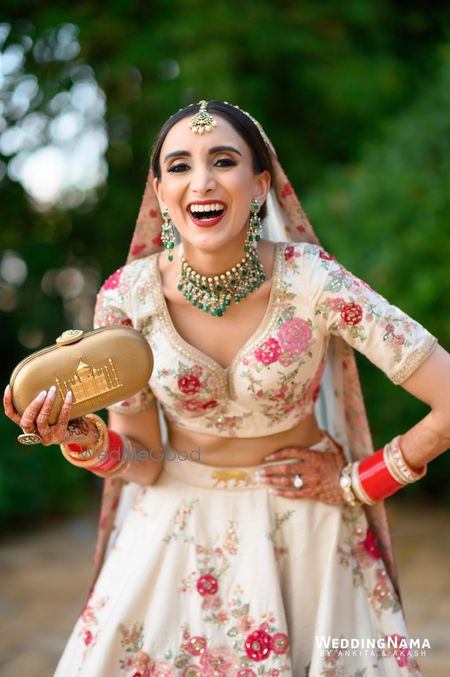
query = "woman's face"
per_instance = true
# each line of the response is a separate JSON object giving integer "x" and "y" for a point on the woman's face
{"x": 209, "y": 172}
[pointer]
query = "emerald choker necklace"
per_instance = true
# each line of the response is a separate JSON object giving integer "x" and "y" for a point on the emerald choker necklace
{"x": 214, "y": 293}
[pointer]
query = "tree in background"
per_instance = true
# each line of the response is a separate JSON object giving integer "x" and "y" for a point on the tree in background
{"x": 354, "y": 97}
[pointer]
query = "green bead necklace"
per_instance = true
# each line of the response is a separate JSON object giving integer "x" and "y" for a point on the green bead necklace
{"x": 214, "y": 293}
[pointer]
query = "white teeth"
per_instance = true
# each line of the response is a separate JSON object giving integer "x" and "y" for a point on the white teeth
{"x": 206, "y": 208}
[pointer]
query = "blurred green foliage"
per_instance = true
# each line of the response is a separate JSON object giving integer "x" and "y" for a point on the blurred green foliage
{"x": 354, "y": 97}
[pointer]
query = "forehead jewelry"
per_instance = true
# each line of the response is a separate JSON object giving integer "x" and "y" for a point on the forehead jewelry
{"x": 202, "y": 121}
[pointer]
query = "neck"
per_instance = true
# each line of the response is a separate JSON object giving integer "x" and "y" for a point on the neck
{"x": 215, "y": 262}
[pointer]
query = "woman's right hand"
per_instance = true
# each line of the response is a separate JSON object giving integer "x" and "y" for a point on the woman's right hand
{"x": 35, "y": 420}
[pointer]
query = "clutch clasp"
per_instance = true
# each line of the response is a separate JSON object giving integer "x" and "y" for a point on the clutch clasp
{"x": 69, "y": 336}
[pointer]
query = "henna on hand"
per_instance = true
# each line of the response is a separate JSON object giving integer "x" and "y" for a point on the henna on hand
{"x": 81, "y": 431}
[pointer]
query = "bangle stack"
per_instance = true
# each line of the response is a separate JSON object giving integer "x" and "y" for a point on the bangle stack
{"x": 117, "y": 452}
{"x": 378, "y": 476}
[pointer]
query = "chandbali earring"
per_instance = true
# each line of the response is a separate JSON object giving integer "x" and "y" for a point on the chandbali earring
{"x": 254, "y": 230}
{"x": 167, "y": 233}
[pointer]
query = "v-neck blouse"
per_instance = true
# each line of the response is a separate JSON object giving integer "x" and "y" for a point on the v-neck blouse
{"x": 273, "y": 381}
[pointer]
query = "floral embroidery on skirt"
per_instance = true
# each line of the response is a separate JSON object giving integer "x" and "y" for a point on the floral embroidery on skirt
{"x": 233, "y": 580}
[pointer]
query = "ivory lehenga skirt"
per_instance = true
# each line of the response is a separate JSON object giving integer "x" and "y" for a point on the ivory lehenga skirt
{"x": 208, "y": 573}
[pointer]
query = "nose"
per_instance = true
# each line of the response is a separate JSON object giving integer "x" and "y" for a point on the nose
{"x": 203, "y": 180}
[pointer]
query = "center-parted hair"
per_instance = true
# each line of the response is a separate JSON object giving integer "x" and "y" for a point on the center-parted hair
{"x": 241, "y": 122}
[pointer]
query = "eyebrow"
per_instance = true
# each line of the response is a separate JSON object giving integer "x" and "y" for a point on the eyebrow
{"x": 215, "y": 149}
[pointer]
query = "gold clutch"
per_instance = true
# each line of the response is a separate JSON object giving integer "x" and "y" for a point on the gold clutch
{"x": 100, "y": 367}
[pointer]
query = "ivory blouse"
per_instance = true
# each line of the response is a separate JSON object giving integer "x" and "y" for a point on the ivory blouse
{"x": 273, "y": 381}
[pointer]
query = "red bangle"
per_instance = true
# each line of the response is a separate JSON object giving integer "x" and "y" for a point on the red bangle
{"x": 113, "y": 453}
{"x": 375, "y": 477}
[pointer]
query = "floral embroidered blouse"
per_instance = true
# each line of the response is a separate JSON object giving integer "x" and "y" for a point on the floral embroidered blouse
{"x": 274, "y": 380}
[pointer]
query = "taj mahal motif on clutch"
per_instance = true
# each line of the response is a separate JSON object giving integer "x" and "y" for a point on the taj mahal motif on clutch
{"x": 88, "y": 382}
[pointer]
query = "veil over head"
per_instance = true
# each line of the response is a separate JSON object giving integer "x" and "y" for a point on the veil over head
{"x": 340, "y": 407}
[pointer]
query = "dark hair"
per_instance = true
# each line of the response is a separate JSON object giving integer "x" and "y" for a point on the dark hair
{"x": 241, "y": 122}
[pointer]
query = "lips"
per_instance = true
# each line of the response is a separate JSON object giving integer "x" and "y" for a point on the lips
{"x": 206, "y": 213}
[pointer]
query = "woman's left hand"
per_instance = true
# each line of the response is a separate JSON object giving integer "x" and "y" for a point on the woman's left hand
{"x": 308, "y": 474}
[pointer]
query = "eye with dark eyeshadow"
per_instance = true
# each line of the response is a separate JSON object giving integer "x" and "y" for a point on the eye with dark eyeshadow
{"x": 176, "y": 168}
{"x": 228, "y": 162}
{"x": 224, "y": 162}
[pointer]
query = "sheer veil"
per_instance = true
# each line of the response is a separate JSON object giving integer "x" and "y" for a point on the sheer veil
{"x": 340, "y": 407}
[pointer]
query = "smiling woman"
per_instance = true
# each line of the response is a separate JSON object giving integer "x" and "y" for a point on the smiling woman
{"x": 274, "y": 542}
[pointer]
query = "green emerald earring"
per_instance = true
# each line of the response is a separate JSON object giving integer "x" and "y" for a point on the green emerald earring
{"x": 254, "y": 229}
{"x": 167, "y": 233}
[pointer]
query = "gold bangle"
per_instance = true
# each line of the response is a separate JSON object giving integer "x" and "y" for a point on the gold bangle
{"x": 101, "y": 428}
{"x": 345, "y": 482}
{"x": 404, "y": 469}
{"x": 88, "y": 454}
{"x": 391, "y": 466}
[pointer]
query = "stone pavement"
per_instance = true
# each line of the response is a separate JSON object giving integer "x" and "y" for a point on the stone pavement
{"x": 45, "y": 574}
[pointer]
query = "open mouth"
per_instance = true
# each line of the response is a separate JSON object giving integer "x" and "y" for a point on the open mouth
{"x": 206, "y": 214}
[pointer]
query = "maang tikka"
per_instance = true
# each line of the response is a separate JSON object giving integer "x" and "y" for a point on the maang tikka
{"x": 202, "y": 121}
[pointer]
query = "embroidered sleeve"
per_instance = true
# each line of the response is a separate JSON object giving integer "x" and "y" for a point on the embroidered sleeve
{"x": 347, "y": 306}
{"x": 114, "y": 307}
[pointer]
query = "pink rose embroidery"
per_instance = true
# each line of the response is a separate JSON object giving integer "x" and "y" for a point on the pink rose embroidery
{"x": 370, "y": 545}
{"x": 295, "y": 336}
{"x": 207, "y": 585}
{"x": 258, "y": 645}
{"x": 161, "y": 669}
{"x": 189, "y": 385}
{"x": 352, "y": 313}
{"x": 219, "y": 660}
{"x": 210, "y": 404}
{"x": 245, "y": 624}
{"x": 113, "y": 280}
{"x": 268, "y": 352}
{"x": 286, "y": 359}
{"x": 87, "y": 637}
{"x": 326, "y": 256}
{"x": 192, "y": 405}
{"x": 280, "y": 643}
{"x": 192, "y": 671}
{"x": 196, "y": 645}
{"x": 401, "y": 654}
{"x": 246, "y": 672}
{"x": 288, "y": 252}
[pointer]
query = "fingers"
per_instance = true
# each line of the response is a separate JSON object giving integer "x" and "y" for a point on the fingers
{"x": 64, "y": 414}
{"x": 281, "y": 469}
{"x": 27, "y": 422}
{"x": 42, "y": 418}
{"x": 10, "y": 410}
{"x": 276, "y": 481}
{"x": 287, "y": 452}
{"x": 54, "y": 434}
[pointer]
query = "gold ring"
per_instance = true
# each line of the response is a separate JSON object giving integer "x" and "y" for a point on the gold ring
{"x": 30, "y": 438}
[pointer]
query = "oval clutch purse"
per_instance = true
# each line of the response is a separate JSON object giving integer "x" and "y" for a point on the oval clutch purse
{"x": 100, "y": 367}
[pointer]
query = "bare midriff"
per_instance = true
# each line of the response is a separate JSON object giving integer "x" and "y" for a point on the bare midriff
{"x": 242, "y": 451}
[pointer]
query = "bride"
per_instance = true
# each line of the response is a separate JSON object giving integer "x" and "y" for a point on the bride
{"x": 249, "y": 535}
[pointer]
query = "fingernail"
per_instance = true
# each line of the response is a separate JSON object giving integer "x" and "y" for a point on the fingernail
{"x": 52, "y": 390}
{"x": 6, "y": 389}
{"x": 68, "y": 397}
{"x": 41, "y": 395}
{"x": 270, "y": 457}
